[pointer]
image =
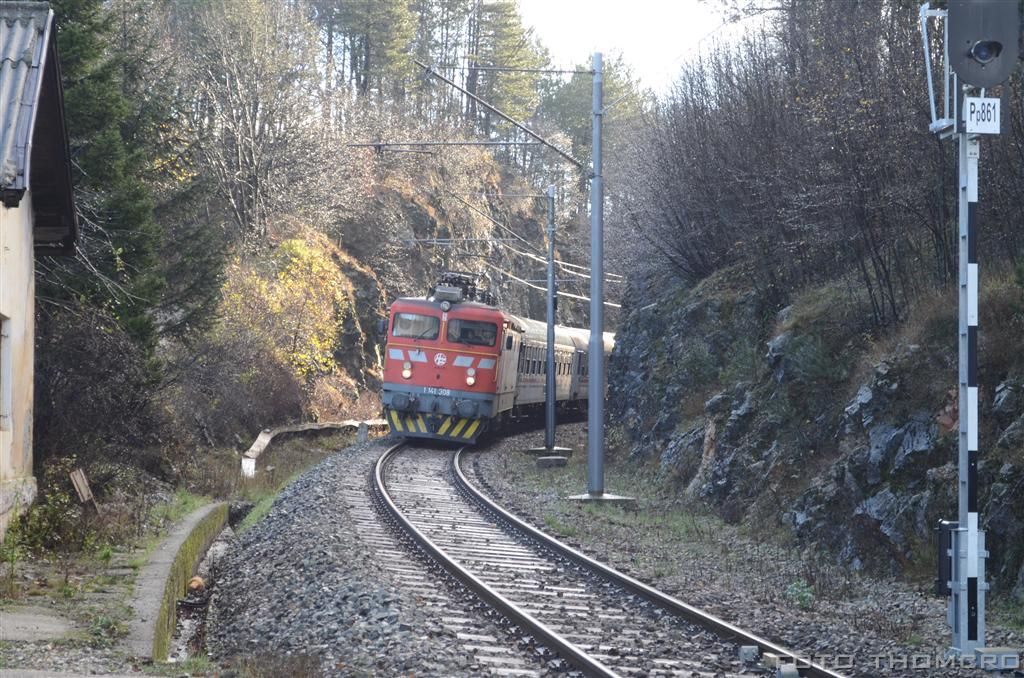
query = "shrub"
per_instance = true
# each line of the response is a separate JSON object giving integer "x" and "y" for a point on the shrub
{"x": 800, "y": 593}
{"x": 56, "y": 522}
{"x": 93, "y": 387}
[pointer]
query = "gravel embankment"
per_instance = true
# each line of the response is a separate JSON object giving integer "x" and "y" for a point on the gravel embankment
{"x": 301, "y": 583}
{"x": 832, "y": 615}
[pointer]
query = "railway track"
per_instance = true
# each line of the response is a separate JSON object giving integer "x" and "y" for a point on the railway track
{"x": 597, "y": 620}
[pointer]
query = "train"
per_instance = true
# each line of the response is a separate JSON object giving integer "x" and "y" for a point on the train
{"x": 457, "y": 366}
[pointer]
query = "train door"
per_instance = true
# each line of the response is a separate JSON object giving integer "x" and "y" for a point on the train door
{"x": 511, "y": 347}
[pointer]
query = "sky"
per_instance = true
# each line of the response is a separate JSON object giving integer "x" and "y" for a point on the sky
{"x": 654, "y": 36}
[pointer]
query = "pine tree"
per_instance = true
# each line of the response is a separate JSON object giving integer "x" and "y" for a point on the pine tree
{"x": 567, "y": 105}
{"x": 379, "y": 34}
{"x": 499, "y": 39}
{"x": 116, "y": 265}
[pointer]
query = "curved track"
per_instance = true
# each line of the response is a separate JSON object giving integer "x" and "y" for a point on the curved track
{"x": 600, "y": 621}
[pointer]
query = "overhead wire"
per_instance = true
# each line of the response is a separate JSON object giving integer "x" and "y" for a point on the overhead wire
{"x": 544, "y": 289}
{"x": 564, "y": 265}
{"x": 493, "y": 220}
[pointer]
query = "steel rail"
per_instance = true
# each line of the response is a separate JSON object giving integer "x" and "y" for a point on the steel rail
{"x": 546, "y": 636}
{"x": 673, "y": 605}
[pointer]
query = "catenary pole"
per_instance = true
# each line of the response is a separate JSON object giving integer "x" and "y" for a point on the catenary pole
{"x": 549, "y": 391}
{"x": 595, "y": 368}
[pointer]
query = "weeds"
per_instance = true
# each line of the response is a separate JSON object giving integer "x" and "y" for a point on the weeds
{"x": 105, "y": 554}
{"x": 106, "y": 627}
{"x": 800, "y": 594}
{"x": 257, "y": 513}
{"x": 558, "y": 527}
{"x": 273, "y": 666}
{"x": 10, "y": 555}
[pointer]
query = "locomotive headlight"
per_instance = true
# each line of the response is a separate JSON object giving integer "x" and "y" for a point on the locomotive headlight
{"x": 470, "y": 376}
{"x": 470, "y": 372}
{"x": 407, "y": 370}
{"x": 470, "y": 381}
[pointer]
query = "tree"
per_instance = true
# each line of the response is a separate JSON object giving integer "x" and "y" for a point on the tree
{"x": 378, "y": 35}
{"x": 115, "y": 263}
{"x": 250, "y": 68}
{"x": 498, "y": 38}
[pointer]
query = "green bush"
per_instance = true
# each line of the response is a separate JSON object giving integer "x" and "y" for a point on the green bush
{"x": 800, "y": 593}
{"x": 10, "y": 556}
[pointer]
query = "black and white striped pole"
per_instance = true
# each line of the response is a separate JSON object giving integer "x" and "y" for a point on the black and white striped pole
{"x": 969, "y": 541}
{"x": 980, "y": 51}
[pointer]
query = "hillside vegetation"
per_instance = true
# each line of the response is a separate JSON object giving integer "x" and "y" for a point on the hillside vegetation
{"x": 237, "y": 244}
{"x": 788, "y": 356}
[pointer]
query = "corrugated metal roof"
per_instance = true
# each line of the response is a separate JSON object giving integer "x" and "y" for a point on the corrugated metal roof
{"x": 24, "y": 31}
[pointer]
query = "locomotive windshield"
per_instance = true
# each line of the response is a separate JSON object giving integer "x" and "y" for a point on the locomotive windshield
{"x": 416, "y": 326}
{"x": 475, "y": 332}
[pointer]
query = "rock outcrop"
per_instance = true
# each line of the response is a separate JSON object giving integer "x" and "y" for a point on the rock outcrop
{"x": 768, "y": 419}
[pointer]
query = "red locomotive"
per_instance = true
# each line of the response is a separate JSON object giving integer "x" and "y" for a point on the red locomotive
{"x": 456, "y": 366}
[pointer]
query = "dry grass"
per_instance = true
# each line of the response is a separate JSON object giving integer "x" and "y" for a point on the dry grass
{"x": 217, "y": 473}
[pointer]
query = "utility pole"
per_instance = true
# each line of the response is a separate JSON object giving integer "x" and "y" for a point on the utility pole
{"x": 549, "y": 404}
{"x": 595, "y": 368}
{"x": 550, "y": 454}
{"x": 980, "y": 51}
{"x": 595, "y": 350}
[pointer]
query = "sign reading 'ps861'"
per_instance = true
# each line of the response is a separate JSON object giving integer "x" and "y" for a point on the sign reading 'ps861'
{"x": 981, "y": 115}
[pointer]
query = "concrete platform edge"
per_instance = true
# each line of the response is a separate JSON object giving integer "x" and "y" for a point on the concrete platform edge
{"x": 168, "y": 569}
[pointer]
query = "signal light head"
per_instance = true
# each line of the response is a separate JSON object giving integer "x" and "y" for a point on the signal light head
{"x": 986, "y": 51}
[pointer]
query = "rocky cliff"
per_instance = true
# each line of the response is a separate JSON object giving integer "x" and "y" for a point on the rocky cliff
{"x": 807, "y": 419}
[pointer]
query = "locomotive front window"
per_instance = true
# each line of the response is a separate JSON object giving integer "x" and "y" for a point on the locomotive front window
{"x": 416, "y": 326}
{"x": 475, "y": 332}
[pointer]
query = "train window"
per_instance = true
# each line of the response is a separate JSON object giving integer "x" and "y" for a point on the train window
{"x": 416, "y": 326}
{"x": 474, "y": 332}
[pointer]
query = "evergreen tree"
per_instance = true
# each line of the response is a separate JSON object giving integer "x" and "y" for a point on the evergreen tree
{"x": 115, "y": 267}
{"x": 567, "y": 105}
{"x": 379, "y": 34}
{"x": 498, "y": 38}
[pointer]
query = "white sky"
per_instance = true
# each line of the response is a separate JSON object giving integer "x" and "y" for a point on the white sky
{"x": 654, "y": 36}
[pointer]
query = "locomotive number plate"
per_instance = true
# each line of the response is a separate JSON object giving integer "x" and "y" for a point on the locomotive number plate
{"x": 438, "y": 391}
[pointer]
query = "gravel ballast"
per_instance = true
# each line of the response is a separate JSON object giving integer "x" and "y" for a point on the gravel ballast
{"x": 302, "y": 583}
{"x": 857, "y": 625}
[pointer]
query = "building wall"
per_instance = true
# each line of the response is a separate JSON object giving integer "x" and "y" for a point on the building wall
{"x": 17, "y": 308}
